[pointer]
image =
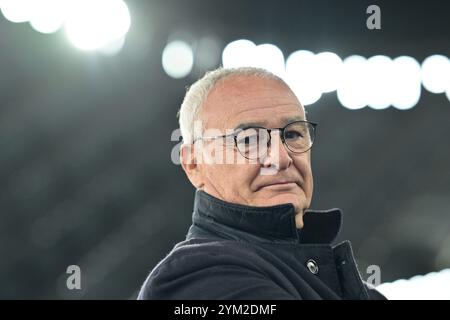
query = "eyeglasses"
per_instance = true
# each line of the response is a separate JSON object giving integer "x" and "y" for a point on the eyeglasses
{"x": 253, "y": 142}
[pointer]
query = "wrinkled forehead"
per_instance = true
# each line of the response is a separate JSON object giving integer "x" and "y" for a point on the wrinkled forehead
{"x": 239, "y": 101}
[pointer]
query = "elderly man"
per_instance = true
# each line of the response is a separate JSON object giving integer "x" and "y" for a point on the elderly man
{"x": 252, "y": 235}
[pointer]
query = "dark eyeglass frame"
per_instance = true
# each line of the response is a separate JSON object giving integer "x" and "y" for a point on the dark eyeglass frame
{"x": 269, "y": 131}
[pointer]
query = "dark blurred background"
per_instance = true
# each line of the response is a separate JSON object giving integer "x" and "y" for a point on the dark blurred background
{"x": 86, "y": 176}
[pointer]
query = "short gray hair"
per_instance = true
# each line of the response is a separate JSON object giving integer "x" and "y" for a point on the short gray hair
{"x": 198, "y": 92}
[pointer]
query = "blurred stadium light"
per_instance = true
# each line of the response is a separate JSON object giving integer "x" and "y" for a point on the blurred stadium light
{"x": 113, "y": 48}
{"x": 436, "y": 73}
{"x": 377, "y": 82}
{"x": 17, "y": 10}
{"x": 329, "y": 70}
{"x": 238, "y": 53}
{"x": 379, "y": 86}
{"x": 102, "y": 25}
{"x": 351, "y": 92}
{"x": 89, "y": 24}
{"x": 177, "y": 59}
{"x": 302, "y": 77}
{"x": 269, "y": 57}
{"x": 48, "y": 15}
{"x": 244, "y": 53}
{"x": 406, "y": 81}
{"x": 432, "y": 286}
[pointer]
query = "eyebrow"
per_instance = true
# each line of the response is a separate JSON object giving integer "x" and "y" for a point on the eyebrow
{"x": 264, "y": 123}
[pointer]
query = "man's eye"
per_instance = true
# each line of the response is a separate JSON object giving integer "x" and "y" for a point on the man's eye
{"x": 293, "y": 134}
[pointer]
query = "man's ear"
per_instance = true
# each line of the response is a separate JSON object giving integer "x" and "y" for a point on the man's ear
{"x": 190, "y": 164}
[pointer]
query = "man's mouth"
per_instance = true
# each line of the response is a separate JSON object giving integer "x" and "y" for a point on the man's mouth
{"x": 280, "y": 184}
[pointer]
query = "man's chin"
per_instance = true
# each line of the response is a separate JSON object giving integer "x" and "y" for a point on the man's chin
{"x": 273, "y": 199}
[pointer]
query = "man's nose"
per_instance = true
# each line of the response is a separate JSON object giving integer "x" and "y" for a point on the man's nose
{"x": 277, "y": 155}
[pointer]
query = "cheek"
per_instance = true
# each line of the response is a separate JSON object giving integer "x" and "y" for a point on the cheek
{"x": 241, "y": 178}
{"x": 303, "y": 166}
{"x": 232, "y": 178}
{"x": 242, "y": 175}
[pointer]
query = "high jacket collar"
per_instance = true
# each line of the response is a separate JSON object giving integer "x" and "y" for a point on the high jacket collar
{"x": 270, "y": 222}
